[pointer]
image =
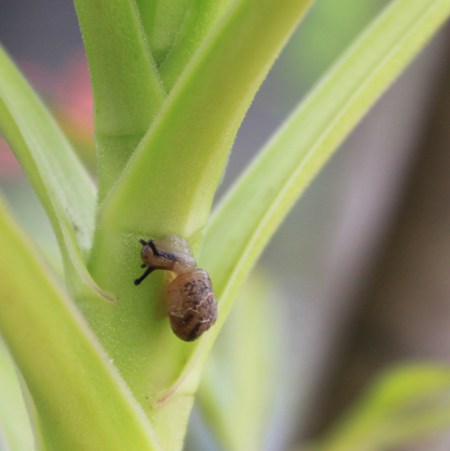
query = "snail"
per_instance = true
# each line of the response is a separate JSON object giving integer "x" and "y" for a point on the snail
{"x": 191, "y": 304}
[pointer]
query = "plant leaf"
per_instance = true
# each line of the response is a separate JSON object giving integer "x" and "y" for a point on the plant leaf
{"x": 15, "y": 427}
{"x": 199, "y": 18}
{"x": 241, "y": 383}
{"x": 62, "y": 184}
{"x": 161, "y": 21}
{"x": 405, "y": 404}
{"x": 44, "y": 334}
{"x": 126, "y": 86}
{"x": 248, "y": 216}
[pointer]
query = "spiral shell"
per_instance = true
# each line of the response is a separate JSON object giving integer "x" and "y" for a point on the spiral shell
{"x": 192, "y": 306}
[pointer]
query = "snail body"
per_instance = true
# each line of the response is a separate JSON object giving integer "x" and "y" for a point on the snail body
{"x": 191, "y": 303}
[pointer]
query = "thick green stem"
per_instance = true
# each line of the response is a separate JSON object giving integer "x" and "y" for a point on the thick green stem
{"x": 168, "y": 188}
{"x": 126, "y": 85}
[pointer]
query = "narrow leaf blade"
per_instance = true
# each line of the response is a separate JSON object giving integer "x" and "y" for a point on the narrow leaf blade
{"x": 246, "y": 219}
{"x": 62, "y": 184}
{"x": 15, "y": 428}
{"x": 240, "y": 385}
{"x": 161, "y": 21}
{"x": 44, "y": 334}
{"x": 309, "y": 137}
{"x": 199, "y": 18}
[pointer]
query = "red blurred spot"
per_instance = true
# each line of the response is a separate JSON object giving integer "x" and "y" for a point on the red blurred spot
{"x": 72, "y": 98}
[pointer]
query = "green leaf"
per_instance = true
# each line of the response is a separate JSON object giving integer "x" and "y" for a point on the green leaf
{"x": 15, "y": 428}
{"x": 57, "y": 176}
{"x": 161, "y": 21}
{"x": 126, "y": 86}
{"x": 405, "y": 404}
{"x": 199, "y": 18}
{"x": 240, "y": 385}
{"x": 67, "y": 373}
{"x": 248, "y": 216}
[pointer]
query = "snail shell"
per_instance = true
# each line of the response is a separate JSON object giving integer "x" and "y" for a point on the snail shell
{"x": 191, "y": 304}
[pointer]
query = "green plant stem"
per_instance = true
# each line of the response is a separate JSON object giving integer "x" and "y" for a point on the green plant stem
{"x": 169, "y": 183}
{"x": 168, "y": 187}
{"x": 179, "y": 163}
{"x": 126, "y": 86}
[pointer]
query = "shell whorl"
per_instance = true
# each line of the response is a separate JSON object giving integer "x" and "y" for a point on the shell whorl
{"x": 192, "y": 306}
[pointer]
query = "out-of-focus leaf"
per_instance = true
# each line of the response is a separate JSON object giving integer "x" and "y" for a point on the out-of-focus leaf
{"x": 15, "y": 428}
{"x": 405, "y": 404}
{"x": 242, "y": 378}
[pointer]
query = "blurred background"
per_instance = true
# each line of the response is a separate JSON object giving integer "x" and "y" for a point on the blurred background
{"x": 355, "y": 281}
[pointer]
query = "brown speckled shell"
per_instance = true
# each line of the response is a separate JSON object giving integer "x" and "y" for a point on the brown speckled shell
{"x": 192, "y": 306}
